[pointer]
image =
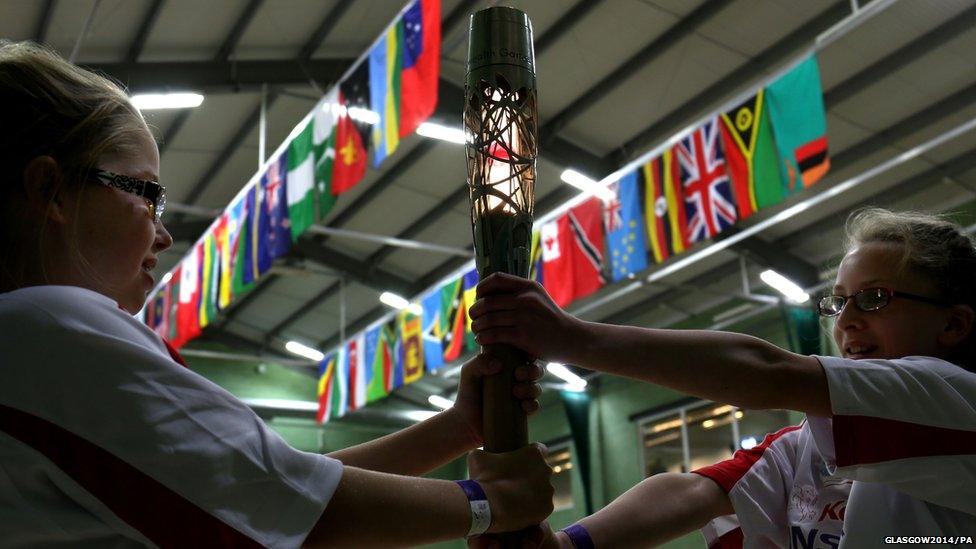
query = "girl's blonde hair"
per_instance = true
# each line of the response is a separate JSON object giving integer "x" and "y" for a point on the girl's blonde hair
{"x": 50, "y": 107}
{"x": 932, "y": 247}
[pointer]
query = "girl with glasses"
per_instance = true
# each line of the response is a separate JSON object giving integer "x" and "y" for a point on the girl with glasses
{"x": 107, "y": 440}
{"x": 892, "y": 421}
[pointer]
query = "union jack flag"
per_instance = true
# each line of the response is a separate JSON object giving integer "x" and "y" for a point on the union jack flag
{"x": 709, "y": 204}
{"x": 614, "y": 216}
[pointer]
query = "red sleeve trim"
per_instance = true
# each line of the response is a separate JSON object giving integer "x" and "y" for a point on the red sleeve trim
{"x": 732, "y": 539}
{"x": 727, "y": 473}
{"x": 160, "y": 514}
{"x": 860, "y": 440}
{"x": 175, "y": 355}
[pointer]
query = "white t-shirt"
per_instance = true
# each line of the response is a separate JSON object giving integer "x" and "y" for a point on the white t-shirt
{"x": 905, "y": 431}
{"x": 106, "y": 441}
{"x": 782, "y": 494}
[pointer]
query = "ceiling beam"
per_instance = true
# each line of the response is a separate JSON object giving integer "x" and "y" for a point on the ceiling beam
{"x": 328, "y": 23}
{"x": 564, "y": 24}
{"x": 954, "y": 167}
{"x": 306, "y": 69}
{"x": 901, "y": 57}
{"x": 230, "y": 147}
{"x": 44, "y": 22}
{"x": 733, "y": 83}
{"x": 234, "y": 37}
{"x": 561, "y": 151}
{"x": 902, "y": 190}
{"x": 637, "y": 62}
{"x": 174, "y": 128}
{"x": 374, "y": 277}
{"x": 220, "y": 76}
{"x": 139, "y": 42}
{"x": 904, "y": 128}
{"x": 749, "y": 71}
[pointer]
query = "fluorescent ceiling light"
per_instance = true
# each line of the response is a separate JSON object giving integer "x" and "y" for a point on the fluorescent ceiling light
{"x": 586, "y": 184}
{"x": 573, "y": 382}
{"x": 152, "y": 101}
{"x": 785, "y": 286}
{"x": 444, "y": 133}
{"x": 397, "y": 302}
{"x": 282, "y": 404}
{"x": 440, "y": 402}
{"x": 304, "y": 350}
{"x": 364, "y": 115}
{"x": 419, "y": 415}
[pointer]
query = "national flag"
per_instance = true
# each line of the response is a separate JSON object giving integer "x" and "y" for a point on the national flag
{"x": 246, "y": 273}
{"x": 709, "y": 205}
{"x": 411, "y": 337}
{"x": 174, "y": 306}
{"x": 356, "y": 371}
{"x": 625, "y": 235}
{"x": 751, "y": 157}
{"x": 664, "y": 208}
{"x": 323, "y": 144}
{"x": 159, "y": 312}
{"x": 469, "y": 282}
{"x": 385, "y": 62}
{"x": 225, "y": 269}
{"x": 799, "y": 125}
{"x": 431, "y": 317}
{"x": 586, "y": 223}
{"x": 353, "y": 130}
{"x": 205, "y": 269}
{"x": 300, "y": 181}
{"x": 452, "y": 319}
{"x": 421, "y": 63}
{"x": 535, "y": 259}
{"x": 390, "y": 333}
{"x": 274, "y": 224}
{"x": 188, "y": 312}
{"x": 210, "y": 242}
{"x": 327, "y": 374}
{"x": 339, "y": 399}
{"x": 557, "y": 266}
{"x": 572, "y": 255}
{"x": 379, "y": 364}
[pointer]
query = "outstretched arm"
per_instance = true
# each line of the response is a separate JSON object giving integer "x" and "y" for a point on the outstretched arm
{"x": 429, "y": 444}
{"x": 720, "y": 366}
{"x": 657, "y": 510}
{"x": 371, "y": 509}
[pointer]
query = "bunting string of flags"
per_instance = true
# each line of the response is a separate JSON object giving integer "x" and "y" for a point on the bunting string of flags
{"x": 382, "y": 99}
{"x": 736, "y": 163}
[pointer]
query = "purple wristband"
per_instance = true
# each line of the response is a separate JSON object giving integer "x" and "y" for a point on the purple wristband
{"x": 480, "y": 511}
{"x": 579, "y": 536}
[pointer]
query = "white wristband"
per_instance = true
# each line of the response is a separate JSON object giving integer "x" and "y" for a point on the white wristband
{"x": 480, "y": 511}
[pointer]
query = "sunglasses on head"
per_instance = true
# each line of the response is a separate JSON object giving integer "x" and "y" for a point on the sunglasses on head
{"x": 153, "y": 193}
{"x": 868, "y": 299}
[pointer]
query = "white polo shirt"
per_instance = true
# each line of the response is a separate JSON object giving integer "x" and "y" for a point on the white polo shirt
{"x": 782, "y": 494}
{"x": 106, "y": 441}
{"x": 905, "y": 431}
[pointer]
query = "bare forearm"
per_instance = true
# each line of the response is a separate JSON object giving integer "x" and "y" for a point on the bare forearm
{"x": 371, "y": 509}
{"x": 720, "y": 366}
{"x": 657, "y": 510}
{"x": 412, "y": 451}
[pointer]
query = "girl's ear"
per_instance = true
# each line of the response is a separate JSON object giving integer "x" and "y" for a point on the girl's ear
{"x": 40, "y": 180}
{"x": 958, "y": 325}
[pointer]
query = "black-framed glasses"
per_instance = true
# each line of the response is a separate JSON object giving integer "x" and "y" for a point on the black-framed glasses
{"x": 868, "y": 299}
{"x": 153, "y": 193}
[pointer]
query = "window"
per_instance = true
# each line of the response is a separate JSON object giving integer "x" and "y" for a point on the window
{"x": 560, "y": 458}
{"x": 688, "y": 437}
